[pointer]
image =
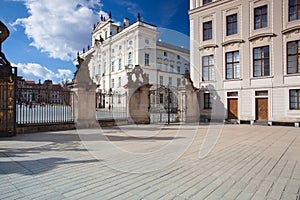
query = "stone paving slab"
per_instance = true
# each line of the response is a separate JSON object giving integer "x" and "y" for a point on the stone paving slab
{"x": 247, "y": 162}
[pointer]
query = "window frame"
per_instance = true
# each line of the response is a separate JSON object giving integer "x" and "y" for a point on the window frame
{"x": 261, "y": 17}
{"x": 113, "y": 66}
{"x": 296, "y": 6}
{"x": 210, "y": 68}
{"x": 120, "y": 63}
{"x": 207, "y": 100}
{"x": 147, "y": 59}
{"x": 297, "y": 102}
{"x": 262, "y": 60}
{"x": 230, "y": 24}
{"x": 207, "y": 31}
{"x": 129, "y": 58}
{"x": 232, "y": 63}
{"x": 297, "y": 54}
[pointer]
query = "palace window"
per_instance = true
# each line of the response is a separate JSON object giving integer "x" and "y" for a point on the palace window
{"x": 120, "y": 82}
{"x": 208, "y": 99}
{"x": 206, "y": 1}
{"x": 130, "y": 58}
{"x": 207, "y": 30}
{"x": 294, "y": 99}
{"x": 120, "y": 63}
{"x": 233, "y": 65}
{"x": 261, "y": 17}
{"x": 161, "y": 80}
{"x": 261, "y": 61}
{"x": 178, "y": 82}
{"x": 170, "y": 81}
{"x": 147, "y": 59}
{"x": 113, "y": 66}
{"x": 232, "y": 25}
{"x": 208, "y": 68}
{"x": 293, "y": 57}
{"x": 294, "y": 10}
{"x": 113, "y": 83}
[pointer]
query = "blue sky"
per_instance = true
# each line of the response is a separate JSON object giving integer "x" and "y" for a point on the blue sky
{"x": 45, "y": 35}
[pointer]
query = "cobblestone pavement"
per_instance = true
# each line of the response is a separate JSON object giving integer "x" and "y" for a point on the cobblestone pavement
{"x": 248, "y": 162}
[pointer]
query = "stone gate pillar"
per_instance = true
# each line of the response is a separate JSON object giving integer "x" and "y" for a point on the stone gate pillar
{"x": 84, "y": 95}
{"x": 188, "y": 102}
{"x": 8, "y": 78}
{"x": 138, "y": 98}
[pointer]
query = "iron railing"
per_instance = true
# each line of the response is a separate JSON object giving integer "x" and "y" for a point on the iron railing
{"x": 111, "y": 106}
{"x": 43, "y": 106}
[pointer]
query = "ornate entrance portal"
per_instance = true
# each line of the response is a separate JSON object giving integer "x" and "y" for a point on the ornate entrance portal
{"x": 8, "y": 76}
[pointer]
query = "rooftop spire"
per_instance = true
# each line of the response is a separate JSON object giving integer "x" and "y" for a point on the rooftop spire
{"x": 139, "y": 17}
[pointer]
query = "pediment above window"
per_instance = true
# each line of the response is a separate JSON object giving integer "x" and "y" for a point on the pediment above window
{"x": 291, "y": 29}
{"x": 261, "y": 36}
{"x": 208, "y": 46}
{"x": 232, "y": 42}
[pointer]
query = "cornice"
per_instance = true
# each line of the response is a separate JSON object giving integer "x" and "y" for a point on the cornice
{"x": 261, "y": 35}
{"x": 208, "y": 46}
{"x": 232, "y": 42}
{"x": 291, "y": 29}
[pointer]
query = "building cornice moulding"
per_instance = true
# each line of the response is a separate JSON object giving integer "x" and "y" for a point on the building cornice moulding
{"x": 208, "y": 46}
{"x": 261, "y": 35}
{"x": 232, "y": 42}
{"x": 209, "y": 6}
{"x": 291, "y": 29}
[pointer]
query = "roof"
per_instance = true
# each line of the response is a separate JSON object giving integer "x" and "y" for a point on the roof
{"x": 171, "y": 46}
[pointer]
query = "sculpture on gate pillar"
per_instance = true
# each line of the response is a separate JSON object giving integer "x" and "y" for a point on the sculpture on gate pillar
{"x": 5, "y": 68}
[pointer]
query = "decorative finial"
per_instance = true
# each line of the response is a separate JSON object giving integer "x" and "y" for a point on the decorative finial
{"x": 109, "y": 15}
{"x": 139, "y": 17}
{"x": 83, "y": 50}
{"x": 101, "y": 17}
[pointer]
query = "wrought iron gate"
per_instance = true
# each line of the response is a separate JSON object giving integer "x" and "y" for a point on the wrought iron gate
{"x": 111, "y": 106}
{"x": 163, "y": 104}
{"x": 7, "y": 102}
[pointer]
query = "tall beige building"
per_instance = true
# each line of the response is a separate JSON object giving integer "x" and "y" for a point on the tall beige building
{"x": 245, "y": 58}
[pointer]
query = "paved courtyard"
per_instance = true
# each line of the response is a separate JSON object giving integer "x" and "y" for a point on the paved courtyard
{"x": 170, "y": 162}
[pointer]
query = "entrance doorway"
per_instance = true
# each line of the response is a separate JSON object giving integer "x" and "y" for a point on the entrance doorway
{"x": 232, "y": 108}
{"x": 261, "y": 107}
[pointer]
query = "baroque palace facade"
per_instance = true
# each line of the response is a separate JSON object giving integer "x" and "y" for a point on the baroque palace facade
{"x": 245, "y": 58}
{"x": 117, "y": 49}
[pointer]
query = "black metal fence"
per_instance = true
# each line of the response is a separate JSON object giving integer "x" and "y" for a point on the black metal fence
{"x": 163, "y": 105}
{"x": 111, "y": 106}
{"x": 43, "y": 106}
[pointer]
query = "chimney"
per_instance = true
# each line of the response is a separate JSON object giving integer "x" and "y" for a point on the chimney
{"x": 126, "y": 22}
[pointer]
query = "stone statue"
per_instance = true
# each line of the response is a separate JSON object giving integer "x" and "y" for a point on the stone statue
{"x": 4, "y": 33}
{"x": 5, "y": 67}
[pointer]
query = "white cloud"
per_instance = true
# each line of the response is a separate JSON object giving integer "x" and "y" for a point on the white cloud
{"x": 60, "y": 28}
{"x": 34, "y": 71}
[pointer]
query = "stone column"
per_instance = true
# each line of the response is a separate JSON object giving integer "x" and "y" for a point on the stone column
{"x": 84, "y": 96}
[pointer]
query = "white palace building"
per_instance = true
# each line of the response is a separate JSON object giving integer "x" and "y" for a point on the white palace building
{"x": 245, "y": 58}
{"x": 117, "y": 49}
